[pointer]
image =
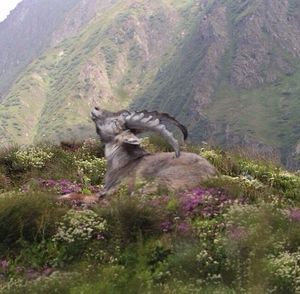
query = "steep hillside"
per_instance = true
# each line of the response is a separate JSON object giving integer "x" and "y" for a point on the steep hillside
{"x": 234, "y": 79}
{"x": 26, "y": 33}
{"x": 228, "y": 69}
{"x": 110, "y": 60}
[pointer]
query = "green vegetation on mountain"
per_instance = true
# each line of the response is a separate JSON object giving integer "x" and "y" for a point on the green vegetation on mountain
{"x": 234, "y": 80}
{"x": 107, "y": 63}
{"x": 229, "y": 70}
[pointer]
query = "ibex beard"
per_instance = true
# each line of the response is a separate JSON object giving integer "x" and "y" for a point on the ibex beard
{"x": 128, "y": 163}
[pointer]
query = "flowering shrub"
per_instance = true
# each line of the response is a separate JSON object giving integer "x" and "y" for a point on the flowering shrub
{"x": 254, "y": 169}
{"x": 254, "y": 231}
{"x": 65, "y": 186}
{"x": 284, "y": 272}
{"x": 247, "y": 182}
{"x": 92, "y": 167}
{"x": 212, "y": 156}
{"x": 294, "y": 215}
{"x": 211, "y": 258}
{"x": 205, "y": 202}
{"x": 198, "y": 204}
{"x": 273, "y": 176}
{"x": 288, "y": 183}
{"x": 33, "y": 157}
{"x": 79, "y": 226}
{"x": 62, "y": 186}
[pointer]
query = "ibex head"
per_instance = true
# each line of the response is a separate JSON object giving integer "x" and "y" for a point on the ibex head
{"x": 111, "y": 124}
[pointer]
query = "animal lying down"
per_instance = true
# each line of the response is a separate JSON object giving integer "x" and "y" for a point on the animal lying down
{"x": 128, "y": 162}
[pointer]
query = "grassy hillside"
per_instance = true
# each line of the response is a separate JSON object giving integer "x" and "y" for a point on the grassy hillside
{"x": 107, "y": 63}
{"x": 234, "y": 78}
{"x": 237, "y": 233}
{"x": 268, "y": 113}
{"x": 229, "y": 70}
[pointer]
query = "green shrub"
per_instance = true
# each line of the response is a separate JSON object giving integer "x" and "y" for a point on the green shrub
{"x": 255, "y": 228}
{"x": 253, "y": 233}
{"x": 74, "y": 234}
{"x": 8, "y": 163}
{"x": 77, "y": 226}
{"x": 128, "y": 218}
{"x": 275, "y": 177}
{"x": 57, "y": 282}
{"x": 241, "y": 187}
{"x": 60, "y": 166}
{"x": 284, "y": 273}
{"x": 92, "y": 167}
{"x": 33, "y": 157}
{"x": 28, "y": 217}
{"x": 225, "y": 162}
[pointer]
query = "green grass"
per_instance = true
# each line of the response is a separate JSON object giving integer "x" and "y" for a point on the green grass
{"x": 269, "y": 113}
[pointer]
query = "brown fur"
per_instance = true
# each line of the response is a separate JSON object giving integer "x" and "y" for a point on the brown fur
{"x": 163, "y": 169}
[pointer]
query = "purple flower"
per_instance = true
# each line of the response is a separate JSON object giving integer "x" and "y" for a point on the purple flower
{"x": 158, "y": 202}
{"x": 294, "y": 214}
{"x": 47, "y": 271}
{"x": 65, "y": 186}
{"x": 184, "y": 228}
{"x": 166, "y": 226}
{"x": 100, "y": 236}
{"x": 4, "y": 265}
{"x": 31, "y": 274}
{"x": 237, "y": 233}
{"x": 205, "y": 202}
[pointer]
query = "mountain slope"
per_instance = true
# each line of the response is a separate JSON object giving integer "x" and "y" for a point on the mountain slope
{"x": 228, "y": 69}
{"x": 107, "y": 62}
{"x": 245, "y": 91}
{"x": 26, "y": 33}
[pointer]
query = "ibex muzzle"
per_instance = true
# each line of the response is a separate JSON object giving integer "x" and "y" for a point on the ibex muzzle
{"x": 128, "y": 161}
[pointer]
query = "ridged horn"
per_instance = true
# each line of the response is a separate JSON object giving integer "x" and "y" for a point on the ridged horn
{"x": 167, "y": 118}
{"x": 144, "y": 121}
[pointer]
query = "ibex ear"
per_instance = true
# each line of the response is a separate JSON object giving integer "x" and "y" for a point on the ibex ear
{"x": 127, "y": 137}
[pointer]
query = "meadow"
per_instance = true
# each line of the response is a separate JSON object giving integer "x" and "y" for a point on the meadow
{"x": 238, "y": 233}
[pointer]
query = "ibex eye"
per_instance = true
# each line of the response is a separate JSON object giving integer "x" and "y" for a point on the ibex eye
{"x": 97, "y": 108}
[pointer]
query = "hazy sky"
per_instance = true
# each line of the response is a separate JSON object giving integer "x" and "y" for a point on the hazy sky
{"x": 6, "y": 6}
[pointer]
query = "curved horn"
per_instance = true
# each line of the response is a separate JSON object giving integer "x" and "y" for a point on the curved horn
{"x": 165, "y": 117}
{"x": 143, "y": 121}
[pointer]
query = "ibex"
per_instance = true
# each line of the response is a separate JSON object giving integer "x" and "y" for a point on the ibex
{"x": 127, "y": 161}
